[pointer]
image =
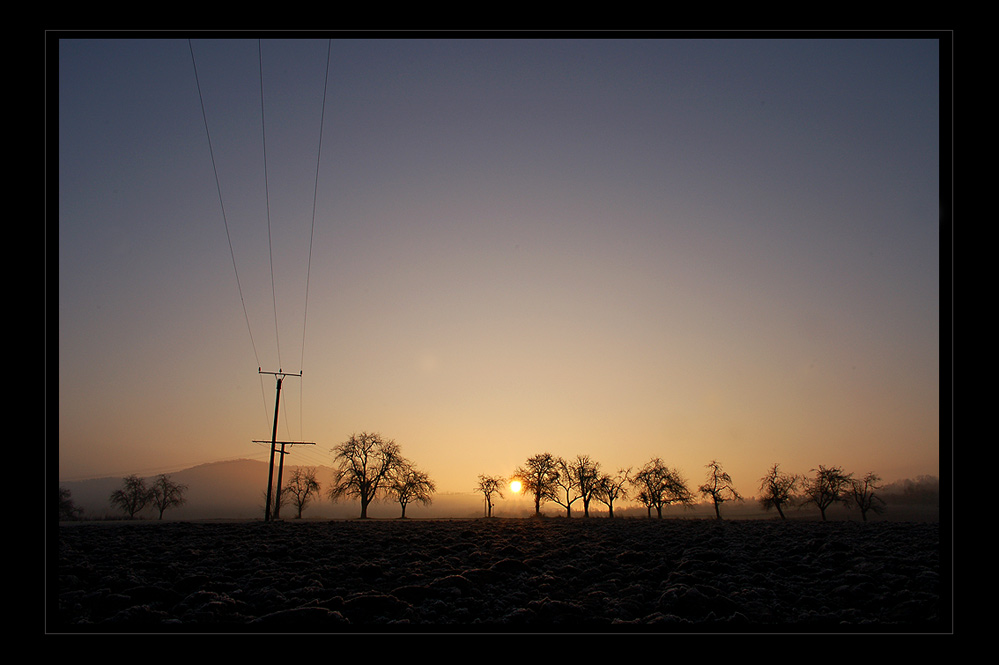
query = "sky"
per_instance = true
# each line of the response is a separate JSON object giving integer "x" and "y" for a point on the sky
{"x": 484, "y": 249}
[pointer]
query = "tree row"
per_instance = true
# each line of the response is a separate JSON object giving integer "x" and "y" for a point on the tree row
{"x": 367, "y": 467}
{"x": 549, "y": 478}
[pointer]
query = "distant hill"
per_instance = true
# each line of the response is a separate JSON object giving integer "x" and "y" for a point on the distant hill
{"x": 236, "y": 490}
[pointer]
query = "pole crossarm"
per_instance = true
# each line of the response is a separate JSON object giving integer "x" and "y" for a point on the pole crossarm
{"x": 282, "y": 451}
{"x": 280, "y": 373}
{"x": 288, "y": 443}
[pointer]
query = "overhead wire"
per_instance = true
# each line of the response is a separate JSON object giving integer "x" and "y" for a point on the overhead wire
{"x": 232, "y": 253}
{"x": 312, "y": 233}
{"x": 218, "y": 188}
{"x": 268, "y": 213}
{"x": 267, "y": 201}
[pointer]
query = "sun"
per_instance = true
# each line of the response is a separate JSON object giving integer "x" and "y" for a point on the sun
{"x": 515, "y": 487}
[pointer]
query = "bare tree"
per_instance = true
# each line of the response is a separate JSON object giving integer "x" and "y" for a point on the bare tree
{"x": 611, "y": 488}
{"x": 718, "y": 487}
{"x": 864, "y": 496}
{"x": 567, "y": 492}
{"x": 490, "y": 485}
{"x": 302, "y": 486}
{"x": 569, "y": 485}
{"x": 167, "y": 494}
{"x": 407, "y": 484}
{"x": 132, "y": 497}
{"x": 586, "y": 474}
{"x": 778, "y": 489}
{"x": 362, "y": 467}
{"x": 827, "y": 487}
{"x": 659, "y": 486}
{"x": 539, "y": 476}
{"x": 678, "y": 491}
{"x": 68, "y": 510}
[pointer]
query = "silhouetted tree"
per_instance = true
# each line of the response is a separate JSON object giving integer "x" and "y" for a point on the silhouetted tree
{"x": 490, "y": 485}
{"x": 166, "y": 493}
{"x": 718, "y": 487}
{"x": 585, "y": 474}
{"x": 362, "y": 466}
{"x": 659, "y": 486}
{"x": 132, "y": 497}
{"x": 539, "y": 476}
{"x": 778, "y": 489}
{"x": 568, "y": 486}
{"x": 864, "y": 496}
{"x": 827, "y": 487}
{"x": 302, "y": 486}
{"x": 67, "y": 509}
{"x": 407, "y": 485}
{"x": 611, "y": 488}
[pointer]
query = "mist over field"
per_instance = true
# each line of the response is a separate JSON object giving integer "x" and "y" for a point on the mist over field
{"x": 235, "y": 490}
{"x": 214, "y": 564}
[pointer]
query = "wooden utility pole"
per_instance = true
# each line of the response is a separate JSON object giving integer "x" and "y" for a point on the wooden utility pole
{"x": 270, "y": 471}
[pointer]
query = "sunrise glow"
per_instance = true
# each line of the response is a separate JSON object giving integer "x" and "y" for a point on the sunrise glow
{"x": 486, "y": 249}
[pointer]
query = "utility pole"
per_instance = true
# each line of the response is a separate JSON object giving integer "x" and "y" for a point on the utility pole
{"x": 270, "y": 471}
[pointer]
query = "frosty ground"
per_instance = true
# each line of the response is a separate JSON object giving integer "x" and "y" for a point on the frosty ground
{"x": 550, "y": 574}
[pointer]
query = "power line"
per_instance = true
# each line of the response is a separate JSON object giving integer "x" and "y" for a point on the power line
{"x": 280, "y": 374}
{"x": 315, "y": 195}
{"x": 218, "y": 187}
{"x": 270, "y": 247}
{"x": 312, "y": 234}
